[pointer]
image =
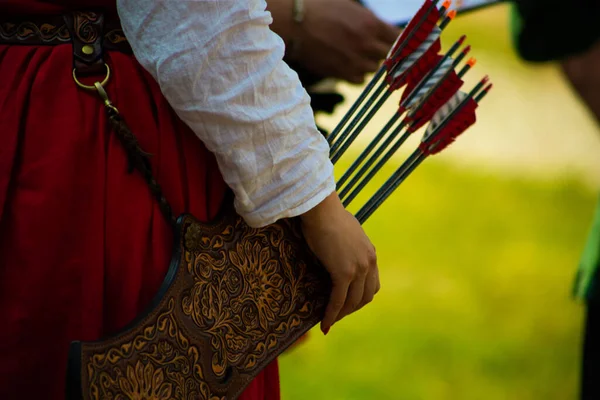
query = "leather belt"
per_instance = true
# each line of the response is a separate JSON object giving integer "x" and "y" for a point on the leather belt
{"x": 90, "y": 33}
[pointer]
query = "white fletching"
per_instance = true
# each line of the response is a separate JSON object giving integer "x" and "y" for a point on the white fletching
{"x": 429, "y": 84}
{"x": 418, "y": 53}
{"x": 440, "y": 115}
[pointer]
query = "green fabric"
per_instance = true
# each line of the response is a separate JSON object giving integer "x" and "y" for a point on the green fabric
{"x": 585, "y": 284}
{"x": 516, "y": 23}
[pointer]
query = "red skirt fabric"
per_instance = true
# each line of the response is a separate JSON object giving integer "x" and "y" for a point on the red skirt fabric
{"x": 83, "y": 245}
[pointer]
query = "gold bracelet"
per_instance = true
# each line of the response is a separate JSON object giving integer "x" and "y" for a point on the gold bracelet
{"x": 298, "y": 18}
{"x": 298, "y": 11}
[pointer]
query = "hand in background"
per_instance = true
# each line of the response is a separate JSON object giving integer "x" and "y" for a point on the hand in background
{"x": 337, "y": 39}
{"x": 342, "y": 39}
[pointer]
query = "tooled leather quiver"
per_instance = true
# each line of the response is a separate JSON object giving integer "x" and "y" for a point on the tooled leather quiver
{"x": 234, "y": 298}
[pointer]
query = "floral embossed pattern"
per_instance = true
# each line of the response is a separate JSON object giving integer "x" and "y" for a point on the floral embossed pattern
{"x": 55, "y": 31}
{"x": 234, "y": 298}
{"x": 83, "y": 26}
{"x": 249, "y": 295}
{"x": 25, "y": 30}
{"x": 159, "y": 364}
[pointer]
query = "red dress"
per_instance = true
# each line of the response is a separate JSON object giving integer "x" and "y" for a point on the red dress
{"x": 83, "y": 245}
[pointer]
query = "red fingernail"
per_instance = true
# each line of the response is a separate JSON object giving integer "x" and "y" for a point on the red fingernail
{"x": 326, "y": 331}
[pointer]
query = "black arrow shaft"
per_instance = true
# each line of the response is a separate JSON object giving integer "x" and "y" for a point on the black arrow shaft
{"x": 356, "y": 104}
{"x": 368, "y": 149}
{"x": 341, "y": 149}
{"x": 390, "y": 186}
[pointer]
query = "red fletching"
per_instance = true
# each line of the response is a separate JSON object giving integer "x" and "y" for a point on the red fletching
{"x": 413, "y": 75}
{"x": 451, "y": 129}
{"x": 416, "y": 74}
{"x": 413, "y": 35}
{"x": 440, "y": 96}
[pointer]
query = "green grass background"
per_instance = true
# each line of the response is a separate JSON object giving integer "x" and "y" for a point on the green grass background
{"x": 476, "y": 275}
{"x": 477, "y": 270}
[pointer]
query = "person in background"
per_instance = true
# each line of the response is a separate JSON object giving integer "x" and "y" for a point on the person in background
{"x": 569, "y": 32}
{"x": 333, "y": 39}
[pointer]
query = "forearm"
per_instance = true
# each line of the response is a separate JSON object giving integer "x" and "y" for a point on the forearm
{"x": 220, "y": 67}
{"x": 583, "y": 72}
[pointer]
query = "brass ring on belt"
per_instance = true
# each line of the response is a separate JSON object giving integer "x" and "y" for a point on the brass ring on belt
{"x": 92, "y": 87}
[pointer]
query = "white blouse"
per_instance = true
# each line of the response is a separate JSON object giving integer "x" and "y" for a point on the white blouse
{"x": 220, "y": 67}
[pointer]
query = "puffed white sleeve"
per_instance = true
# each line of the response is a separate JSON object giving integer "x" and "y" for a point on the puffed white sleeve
{"x": 221, "y": 68}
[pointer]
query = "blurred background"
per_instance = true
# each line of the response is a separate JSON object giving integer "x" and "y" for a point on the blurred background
{"x": 477, "y": 249}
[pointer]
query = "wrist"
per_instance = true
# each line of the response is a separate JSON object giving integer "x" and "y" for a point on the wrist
{"x": 327, "y": 208}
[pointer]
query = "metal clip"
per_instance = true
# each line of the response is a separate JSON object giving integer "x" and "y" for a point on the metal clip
{"x": 99, "y": 87}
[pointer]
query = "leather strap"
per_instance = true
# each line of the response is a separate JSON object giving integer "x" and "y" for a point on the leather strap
{"x": 90, "y": 33}
{"x": 86, "y": 29}
{"x": 101, "y": 32}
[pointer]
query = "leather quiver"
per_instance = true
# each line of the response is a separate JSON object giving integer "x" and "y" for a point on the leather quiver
{"x": 233, "y": 299}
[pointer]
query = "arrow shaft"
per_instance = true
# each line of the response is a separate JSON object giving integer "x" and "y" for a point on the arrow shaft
{"x": 376, "y": 168}
{"x": 341, "y": 149}
{"x": 390, "y": 186}
{"x": 482, "y": 94}
{"x": 380, "y": 72}
{"x": 368, "y": 149}
{"x": 426, "y": 88}
{"x": 361, "y": 112}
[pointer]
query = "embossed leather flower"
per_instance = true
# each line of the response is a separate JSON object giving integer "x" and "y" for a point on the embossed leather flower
{"x": 262, "y": 279}
{"x": 250, "y": 315}
{"x": 207, "y": 297}
{"x": 248, "y": 291}
{"x": 145, "y": 383}
{"x": 233, "y": 281}
{"x": 235, "y": 343}
{"x": 165, "y": 349}
{"x": 288, "y": 252}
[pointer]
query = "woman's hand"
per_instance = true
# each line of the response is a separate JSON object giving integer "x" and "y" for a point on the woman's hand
{"x": 339, "y": 242}
{"x": 338, "y": 38}
{"x": 342, "y": 39}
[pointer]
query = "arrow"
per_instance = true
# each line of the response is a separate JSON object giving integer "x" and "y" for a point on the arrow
{"x": 410, "y": 38}
{"x": 448, "y": 123}
{"x": 434, "y": 81}
{"x": 409, "y": 71}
